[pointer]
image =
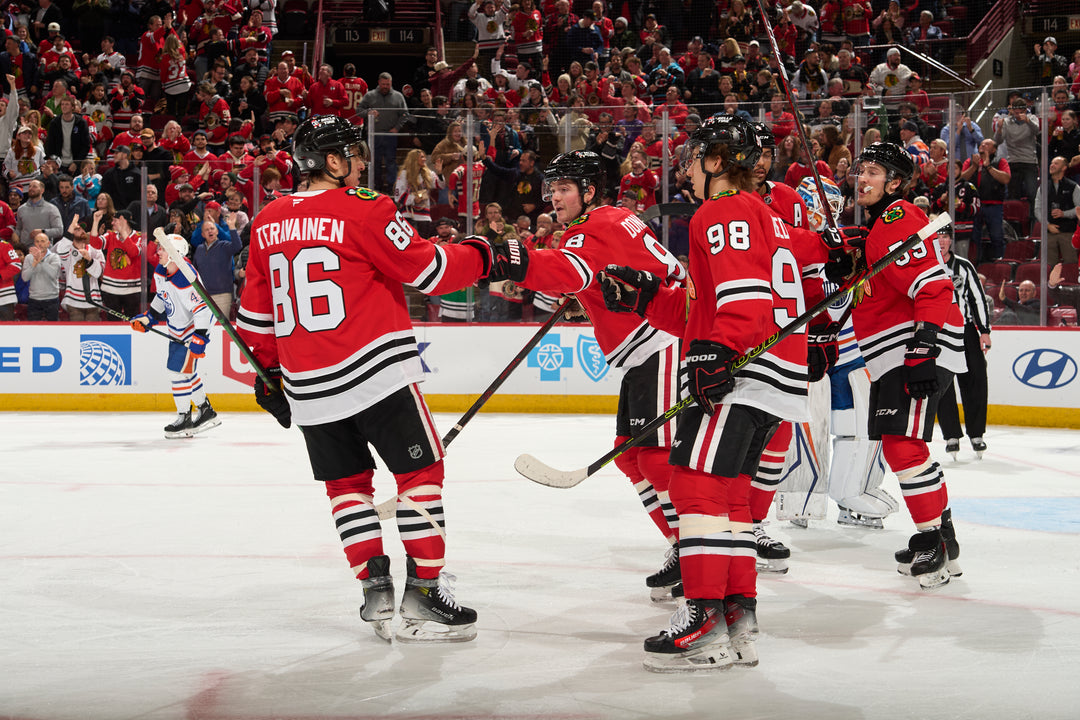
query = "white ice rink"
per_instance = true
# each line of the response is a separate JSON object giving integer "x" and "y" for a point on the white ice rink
{"x": 203, "y": 579}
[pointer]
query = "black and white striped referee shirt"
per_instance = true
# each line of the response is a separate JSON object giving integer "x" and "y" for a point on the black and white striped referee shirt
{"x": 969, "y": 293}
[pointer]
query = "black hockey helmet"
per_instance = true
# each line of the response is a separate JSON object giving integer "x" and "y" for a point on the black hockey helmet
{"x": 765, "y": 135}
{"x": 581, "y": 166}
{"x": 324, "y": 134}
{"x": 744, "y": 144}
{"x": 895, "y": 159}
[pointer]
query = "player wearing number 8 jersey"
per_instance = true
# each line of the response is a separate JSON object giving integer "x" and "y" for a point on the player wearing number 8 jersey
{"x": 324, "y": 307}
{"x": 649, "y": 358}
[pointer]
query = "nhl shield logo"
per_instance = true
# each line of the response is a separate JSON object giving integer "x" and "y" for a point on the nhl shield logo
{"x": 591, "y": 358}
{"x": 415, "y": 451}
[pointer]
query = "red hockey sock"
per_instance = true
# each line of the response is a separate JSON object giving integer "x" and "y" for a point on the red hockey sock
{"x": 704, "y": 531}
{"x": 742, "y": 576}
{"x": 356, "y": 519}
{"x": 921, "y": 480}
{"x": 764, "y": 485}
{"x": 637, "y": 465}
{"x": 420, "y": 520}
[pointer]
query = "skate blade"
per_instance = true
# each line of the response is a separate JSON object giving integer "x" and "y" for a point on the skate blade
{"x": 800, "y": 522}
{"x": 904, "y": 569}
{"x": 661, "y": 594}
{"x": 866, "y": 523}
{"x": 744, "y": 654}
{"x": 933, "y": 580}
{"x": 978, "y": 455}
{"x": 206, "y": 426}
{"x": 954, "y": 568}
{"x": 181, "y": 435}
{"x": 382, "y": 629}
{"x": 772, "y": 567}
{"x": 419, "y": 631}
{"x": 710, "y": 659}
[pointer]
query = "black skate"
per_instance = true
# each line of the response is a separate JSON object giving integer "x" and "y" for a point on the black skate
{"x": 666, "y": 578}
{"x": 979, "y": 446}
{"x": 697, "y": 640}
{"x": 952, "y": 447}
{"x": 181, "y": 427}
{"x": 930, "y": 560}
{"x": 741, "y": 616}
{"x": 772, "y": 554}
{"x": 905, "y": 557}
{"x": 850, "y": 518}
{"x": 206, "y": 419}
{"x": 432, "y": 600}
{"x": 378, "y": 607}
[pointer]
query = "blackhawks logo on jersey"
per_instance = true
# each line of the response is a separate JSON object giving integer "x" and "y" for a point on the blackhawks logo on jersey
{"x": 724, "y": 193}
{"x": 578, "y": 220}
{"x": 362, "y": 193}
{"x": 118, "y": 259}
{"x": 893, "y": 214}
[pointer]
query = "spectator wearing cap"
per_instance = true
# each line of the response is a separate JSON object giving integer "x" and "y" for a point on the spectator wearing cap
{"x": 443, "y": 80}
{"x": 1020, "y": 133}
{"x": 22, "y": 65}
{"x": 69, "y": 137}
{"x": 156, "y": 158}
{"x": 1048, "y": 63}
{"x": 122, "y": 180}
{"x": 890, "y": 77}
{"x": 810, "y": 79}
{"x": 126, "y": 100}
{"x": 624, "y": 37}
{"x": 326, "y": 96}
{"x": 297, "y": 71}
{"x": 112, "y": 63}
{"x": 917, "y": 96}
{"x": 179, "y": 176}
{"x": 47, "y": 19}
{"x": 911, "y": 141}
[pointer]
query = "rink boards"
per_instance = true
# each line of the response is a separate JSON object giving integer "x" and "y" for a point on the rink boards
{"x": 46, "y": 366}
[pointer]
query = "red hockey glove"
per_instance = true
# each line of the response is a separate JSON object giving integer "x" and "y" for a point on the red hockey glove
{"x": 920, "y": 362}
{"x": 853, "y": 237}
{"x": 822, "y": 347}
{"x": 628, "y": 290}
{"x": 482, "y": 246}
{"x": 708, "y": 370}
{"x": 271, "y": 398}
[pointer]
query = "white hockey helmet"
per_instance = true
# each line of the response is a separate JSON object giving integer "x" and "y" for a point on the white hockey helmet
{"x": 180, "y": 244}
{"x": 808, "y": 191}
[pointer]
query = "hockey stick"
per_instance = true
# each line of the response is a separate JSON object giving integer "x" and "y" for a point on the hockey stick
{"x": 812, "y": 161}
{"x": 128, "y": 320}
{"x": 671, "y": 209}
{"x": 544, "y": 474}
{"x": 188, "y": 272}
{"x": 387, "y": 508}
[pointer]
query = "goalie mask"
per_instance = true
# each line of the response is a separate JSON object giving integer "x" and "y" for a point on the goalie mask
{"x": 808, "y": 191}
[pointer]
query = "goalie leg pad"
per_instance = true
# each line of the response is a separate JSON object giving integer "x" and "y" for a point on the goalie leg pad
{"x": 802, "y": 493}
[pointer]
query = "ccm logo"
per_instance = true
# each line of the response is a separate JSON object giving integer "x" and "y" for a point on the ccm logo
{"x": 701, "y": 358}
{"x": 886, "y": 411}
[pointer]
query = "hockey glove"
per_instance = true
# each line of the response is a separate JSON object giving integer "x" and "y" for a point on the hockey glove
{"x": 197, "y": 344}
{"x": 482, "y": 246}
{"x": 840, "y": 266}
{"x": 628, "y": 290}
{"x": 510, "y": 261}
{"x": 852, "y": 238}
{"x": 821, "y": 347}
{"x": 272, "y": 398}
{"x": 920, "y": 362}
{"x": 142, "y": 322}
{"x": 708, "y": 370}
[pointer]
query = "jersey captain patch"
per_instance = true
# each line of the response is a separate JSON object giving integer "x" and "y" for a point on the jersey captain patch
{"x": 362, "y": 193}
{"x": 893, "y": 214}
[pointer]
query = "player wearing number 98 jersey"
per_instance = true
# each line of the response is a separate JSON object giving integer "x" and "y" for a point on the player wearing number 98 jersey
{"x": 324, "y": 304}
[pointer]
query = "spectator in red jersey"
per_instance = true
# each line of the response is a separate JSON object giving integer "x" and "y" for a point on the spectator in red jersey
{"x": 326, "y": 96}
{"x": 299, "y": 72}
{"x": 214, "y": 116}
{"x": 355, "y": 89}
{"x": 128, "y": 137}
{"x": 265, "y": 157}
{"x": 151, "y": 44}
{"x": 173, "y": 140}
{"x": 125, "y": 100}
{"x": 781, "y": 121}
{"x": 173, "y": 74}
{"x": 284, "y": 93}
{"x": 637, "y": 191}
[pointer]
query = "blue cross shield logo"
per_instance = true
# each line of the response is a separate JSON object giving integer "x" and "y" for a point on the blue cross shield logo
{"x": 551, "y": 357}
{"x": 591, "y": 357}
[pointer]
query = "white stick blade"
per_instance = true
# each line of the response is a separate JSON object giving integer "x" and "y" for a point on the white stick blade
{"x": 544, "y": 474}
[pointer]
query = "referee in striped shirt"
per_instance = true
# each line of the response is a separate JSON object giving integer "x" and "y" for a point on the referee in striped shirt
{"x": 976, "y": 309}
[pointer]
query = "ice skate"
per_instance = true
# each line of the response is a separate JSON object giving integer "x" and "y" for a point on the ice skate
{"x": 662, "y": 581}
{"x": 801, "y": 522}
{"x": 772, "y": 554}
{"x": 378, "y": 607}
{"x": 432, "y": 601}
{"x": 905, "y": 557}
{"x": 850, "y": 518}
{"x": 979, "y": 446}
{"x": 741, "y": 616}
{"x": 929, "y": 559}
{"x": 697, "y": 640}
{"x": 181, "y": 427}
{"x": 952, "y": 447}
{"x": 207, "y": 418}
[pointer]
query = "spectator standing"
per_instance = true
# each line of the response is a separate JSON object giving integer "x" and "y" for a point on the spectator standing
{"x": 112, "y": 62}
{"x": 284, "y": 93}
{"x": 175, "y": 82}
{"x": 69, "y": 137}
{"x": 1060, "y": 215}
{"x": 36, "y": 214}
{"x": 490, "y": 21}
{"x": 968, "y": 136}
{"x": 10, "y": 267}
{"x": 355, "y": 89}
{"x": 810, "y": 78}
{"x": 251, "y": 67}
{"x": 125, "y": 253}
{"x": 45, "y": 18}
{"x": 214, "y": 260}
{"x": 151, "y": 43}
{"x": 1020, "y": 133}
{"x": 1048, "y": 63}
{"x": 214, "y": 116}
{"x": 975, "y": 307}
{"x": 41, "y": 271}
{"x": 522, "y": 186}
{"x": 68, "y": 202}
{"x": 9, "y": 115}
{"x": 23, "y": 161}
{"x": 125, "y": 100}
{"x": 890, "y": 77}
{"x": 387, "y": 108}
{"x": 990, "y": 175}
{"x": 326, "y": 96}
{"x": 1066, "y": 142}
{"x": 528, "y": 29}
{"x": 122, "y": 180}
{"x": 82, "y": 266}
{"x": 156, "y": 158}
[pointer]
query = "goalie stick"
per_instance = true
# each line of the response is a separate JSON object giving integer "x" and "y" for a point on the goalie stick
{"x": 188, "y": 272}
{"x": 544, "y": 474}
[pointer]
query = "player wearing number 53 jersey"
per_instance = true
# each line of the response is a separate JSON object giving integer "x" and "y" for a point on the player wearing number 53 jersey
{"x": 324, "y": 308}
{"x": 649, "y": 358}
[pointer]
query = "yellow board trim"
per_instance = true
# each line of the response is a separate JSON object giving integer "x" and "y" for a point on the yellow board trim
{"x": 585, "y": 404}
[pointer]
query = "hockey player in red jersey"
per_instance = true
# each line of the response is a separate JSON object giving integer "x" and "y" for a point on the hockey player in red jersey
{"x": 324, "y": 309}
{"x": 911, "y": 333}
{"x": 596, "y": 236}
{"x": 745, "y": 285}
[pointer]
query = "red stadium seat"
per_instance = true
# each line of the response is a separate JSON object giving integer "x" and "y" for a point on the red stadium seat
{"x": 1070, "y": 273}
{"x": 1022, "y": 250}
{"x": 1018, "y": 213}
{"x": 1029, "y": 271}
{"x": 1061, "y": 316}
{"x": 996, "y": 272}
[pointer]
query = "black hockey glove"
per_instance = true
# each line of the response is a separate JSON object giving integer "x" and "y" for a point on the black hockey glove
{"x": 708, "y": 370}
{"x": 853, "y": 237}
{"x": 510, "y": 261}
{"x": 840, "y": 266}
{"x": 628, "y": 290}
{"x": 821, "y": 347}
{"x": 920, "y": 362}
{"x": 482, "y": 246}
{"x": 272, "y": 398}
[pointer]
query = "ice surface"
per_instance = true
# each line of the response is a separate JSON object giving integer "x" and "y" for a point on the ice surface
{"x": 203, "y": 579}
